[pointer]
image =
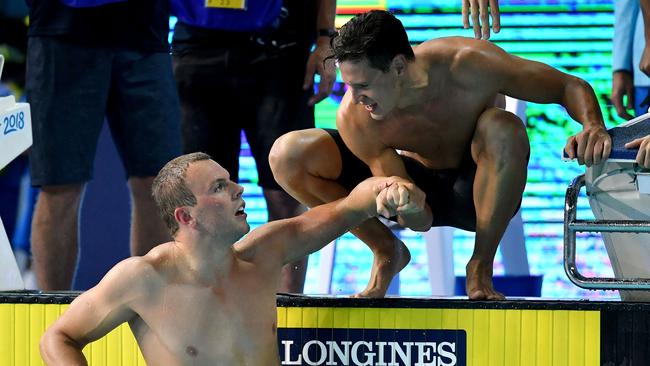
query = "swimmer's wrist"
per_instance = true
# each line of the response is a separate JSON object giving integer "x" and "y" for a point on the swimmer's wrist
{"x": 591, "y": 123}
{"x": 417, "y": 221}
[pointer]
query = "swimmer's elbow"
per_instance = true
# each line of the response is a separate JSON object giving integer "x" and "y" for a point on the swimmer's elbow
{"x": 573, "y": 82}
{"x": 575, "y": 86}
{"x": 43, "y": 347}
{"x": 48, "y": 346}
{"x": 55, "y": 346}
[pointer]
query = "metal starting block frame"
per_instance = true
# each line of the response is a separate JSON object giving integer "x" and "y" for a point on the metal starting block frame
{"x": 572, "y": 226}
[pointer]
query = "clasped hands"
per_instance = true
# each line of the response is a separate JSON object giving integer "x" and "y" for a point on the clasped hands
{"x": 400, "y": 197}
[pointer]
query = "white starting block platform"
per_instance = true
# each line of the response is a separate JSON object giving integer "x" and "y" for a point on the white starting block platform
{"x": 619, "y": 196}
{"x": 15, "y": 138}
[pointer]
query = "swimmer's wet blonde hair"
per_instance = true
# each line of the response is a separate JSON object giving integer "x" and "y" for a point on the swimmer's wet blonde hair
{"x": 170, "y": 191}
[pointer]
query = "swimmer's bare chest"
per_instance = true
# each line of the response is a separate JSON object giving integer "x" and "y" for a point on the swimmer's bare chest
{"x": 201, "y": 325}
{"x": 438, "y": 134}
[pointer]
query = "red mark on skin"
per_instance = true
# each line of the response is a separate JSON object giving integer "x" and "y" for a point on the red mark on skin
{"x": 191, "y": 351}
{"x": 219, "y": 293}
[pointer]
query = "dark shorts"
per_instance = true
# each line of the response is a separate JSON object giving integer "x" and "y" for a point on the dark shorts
{"x": 71, "y": 89}
{"x": 449, "y": 191}
{"x": 226, "y": 90}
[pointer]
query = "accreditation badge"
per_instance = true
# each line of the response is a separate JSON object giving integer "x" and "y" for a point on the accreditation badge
{"x": 226, "y": 4}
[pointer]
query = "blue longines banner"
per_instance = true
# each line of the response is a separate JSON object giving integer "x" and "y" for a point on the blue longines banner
{"x": 372, "y": 347}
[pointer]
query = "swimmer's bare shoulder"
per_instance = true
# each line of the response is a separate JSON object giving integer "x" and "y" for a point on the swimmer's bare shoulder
{"x": 99, "y": 310}
{"x": 360, "y": 132}
{"x": 351, "y": 113}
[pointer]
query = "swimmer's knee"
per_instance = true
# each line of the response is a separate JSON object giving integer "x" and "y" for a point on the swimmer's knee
{"x": 285, "y": 151}
{"x": 502, "y": 132}
{"x": 300, "y": 155}
{"x": 287, "y": 157}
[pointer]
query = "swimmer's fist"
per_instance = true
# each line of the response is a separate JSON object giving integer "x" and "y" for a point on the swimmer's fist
{"x": 402, "y": 197}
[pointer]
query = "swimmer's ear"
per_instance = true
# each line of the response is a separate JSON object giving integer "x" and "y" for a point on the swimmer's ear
{"x": 182, "y": 216}
{"x": 399, "y": 64}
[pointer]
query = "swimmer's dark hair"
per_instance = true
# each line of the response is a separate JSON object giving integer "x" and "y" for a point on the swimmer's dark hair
{"x": 376, "y": 35}
{"x": 170, "y": 191}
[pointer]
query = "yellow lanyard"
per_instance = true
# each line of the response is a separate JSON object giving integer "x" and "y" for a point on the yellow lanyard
{"x": 226, "y": 4}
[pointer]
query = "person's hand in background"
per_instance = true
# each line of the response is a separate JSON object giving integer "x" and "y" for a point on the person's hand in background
{"x": 480, "y": 11}
{"x": 622, "y": 86}
{"x": 643, "y": 156}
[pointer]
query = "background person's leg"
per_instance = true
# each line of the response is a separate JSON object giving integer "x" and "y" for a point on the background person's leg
{"x": 67, "y": 115}
{"x": 281, "y": 106}
{"x": 147, "y": 228}
{"x": 211, "y": 119}
{"x": 54, "y": 236}
{"x": 144, "y": 115}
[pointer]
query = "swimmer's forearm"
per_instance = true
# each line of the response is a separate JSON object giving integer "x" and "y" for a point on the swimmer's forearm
{"x": 311, "y": 231}
{"x": 580, "y": 102}
{"x": 58, "y": 349}
{"x": 420, "y": 221}
{"x": 352, "y": 212}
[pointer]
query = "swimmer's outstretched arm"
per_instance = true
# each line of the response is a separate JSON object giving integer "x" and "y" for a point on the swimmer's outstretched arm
{"x": 94, "y": 314}
{"x": 285, "y": 241}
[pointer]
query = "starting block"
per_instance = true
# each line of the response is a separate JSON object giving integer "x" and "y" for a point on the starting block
{"x": 619, "y": 196}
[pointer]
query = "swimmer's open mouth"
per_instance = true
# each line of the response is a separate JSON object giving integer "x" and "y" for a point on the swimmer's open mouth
{"x": 240, "y": 210}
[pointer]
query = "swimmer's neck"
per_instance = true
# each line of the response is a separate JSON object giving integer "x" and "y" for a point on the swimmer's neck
{"x": 415, "y": 84}
{"x": 205, "y": 259}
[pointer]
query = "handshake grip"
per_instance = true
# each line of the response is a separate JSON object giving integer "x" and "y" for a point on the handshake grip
{"x": 400, "y": 197}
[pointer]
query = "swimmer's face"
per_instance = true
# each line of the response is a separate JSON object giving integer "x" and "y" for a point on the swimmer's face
{"x": 219, "y": 209}
{"x": 376, "y": 90}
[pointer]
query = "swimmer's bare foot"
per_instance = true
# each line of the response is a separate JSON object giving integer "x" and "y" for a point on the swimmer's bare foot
{"x": 479, "y": 281}
{"x": 384, "y": 267}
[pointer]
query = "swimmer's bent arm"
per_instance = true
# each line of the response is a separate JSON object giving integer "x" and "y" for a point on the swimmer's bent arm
{"x": 486, "y": 66}
{"x": 93, "y": 314}
{"x": 383, "y": 161}
{"x": 291, "y": 239}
